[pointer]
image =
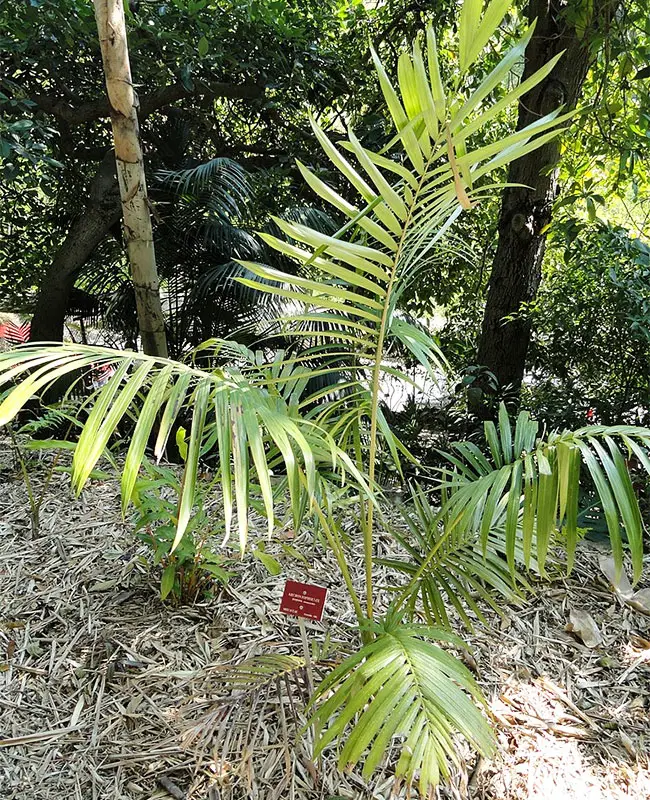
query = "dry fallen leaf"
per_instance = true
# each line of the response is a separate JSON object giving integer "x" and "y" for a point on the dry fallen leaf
{"x": 638, "y": 600}
{"x": 628, "y": 744}
{"x": 582, "y": 624}
{"x": 639, "y": 642}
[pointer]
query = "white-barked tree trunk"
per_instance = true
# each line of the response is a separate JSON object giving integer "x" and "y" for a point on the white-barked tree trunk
{"x": 111, "y": 27}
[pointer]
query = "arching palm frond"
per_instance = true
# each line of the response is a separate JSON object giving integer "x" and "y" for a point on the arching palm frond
{"x": 205, "y": 226}
{"x": 409, "y": 196}
{"x": 225, "y": 181}
{"x": 401, "y": 687}
{"x": 534, "y": 481}
{"x": 246, "y": 423}
{"x": 355, "y": 276}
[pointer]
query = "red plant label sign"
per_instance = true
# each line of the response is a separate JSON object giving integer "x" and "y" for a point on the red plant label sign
{"x": 303, "y": 600}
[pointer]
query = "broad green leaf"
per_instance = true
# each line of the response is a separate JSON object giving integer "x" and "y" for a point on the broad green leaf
{"x": 547, "y": 490}
{"x": 384, "y": 214}
{"x": 468, "y": 27}
{"x": 505, "y": 434}
{"x": 271, "y": 564}
{"x": 495, "y": 109}
{"x": 256, "y": 445}
{"x": 86, "y": 453}
{"x": 384, "y": 188}
{"x": 512, "y": 514}
{"x": 424, "y": 95}
{"x": 479, "y": 36}
{"x": 609, "y": 506}
{"x": 42, "y": 377}
{"x": 240, "y": 471}
{"x": 493, "y": 79}
{"x": 330, "y": 196}
{"x": 623, "y": 492}
{"x": 168, "y": 579}
{"x": 493, "y": 442}
{"x": 90, "y": 449}
{"x": 493, "y": 499}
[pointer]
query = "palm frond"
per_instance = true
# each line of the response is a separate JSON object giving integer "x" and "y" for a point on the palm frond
{"x": 232, "y": 727}
{"x": 242, "y": 418}
{"x": 535, "y": 482}
{"x": 401, "y": 691}
{"x": 456, "y": 570}
{"x": 409, "y": 196}
{"x": 226, "y": 181}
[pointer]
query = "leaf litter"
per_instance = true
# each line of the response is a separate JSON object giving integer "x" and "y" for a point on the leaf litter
{"x": 106, "y": 693}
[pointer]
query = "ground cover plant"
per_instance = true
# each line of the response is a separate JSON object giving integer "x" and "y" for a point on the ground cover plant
{"x": 494, "y": 511}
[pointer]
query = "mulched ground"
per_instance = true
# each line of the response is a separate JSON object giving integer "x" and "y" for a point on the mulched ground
{"x": 107, "y": 693}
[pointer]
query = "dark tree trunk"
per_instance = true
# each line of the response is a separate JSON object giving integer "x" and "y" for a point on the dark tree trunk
{"x": 90, "y": 228}
{"x": 525, "y": 212}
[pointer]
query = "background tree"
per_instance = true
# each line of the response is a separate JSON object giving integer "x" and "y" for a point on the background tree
{"x": 131, "y": 175}
{"x": 209, "y": 63}
{"x": 234, "y": 86}
{"x": 573, "y": 30}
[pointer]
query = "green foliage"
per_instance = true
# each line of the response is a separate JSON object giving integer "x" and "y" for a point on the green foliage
{"x": 287, "y": 56}
{"x": 591, "y": 348}
{"x": 401, "y": 685}
{"x": 191, "y": 569}
{"x": 456, "y": 572}
{"x": 534, "y": 483}
{"x": 609, "y": 142}
{"x": 209, "y": 213}
{"x": 276, "y": 440}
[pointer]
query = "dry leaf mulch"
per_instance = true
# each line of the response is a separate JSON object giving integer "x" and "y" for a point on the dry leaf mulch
{"x": 108, "y": 694}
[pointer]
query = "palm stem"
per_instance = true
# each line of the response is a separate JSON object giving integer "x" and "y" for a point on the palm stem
{"x": 368, "y": 519}
{"x": 337, "y": 548}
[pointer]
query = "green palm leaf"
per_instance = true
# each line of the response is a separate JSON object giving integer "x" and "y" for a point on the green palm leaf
{"x": 260, "y": 426}
{"x": 537, "y": 480}
{"x": 403, "y": 691}
{"x": 446, "y": 564}
{"x": 354, "y": 278}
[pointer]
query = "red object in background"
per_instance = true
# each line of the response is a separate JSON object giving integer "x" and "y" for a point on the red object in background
{"x": 303, "y": 600}
{"x": 15, "y": 334}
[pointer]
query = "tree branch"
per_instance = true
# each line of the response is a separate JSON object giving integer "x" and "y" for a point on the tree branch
{"x": 96, "y": 109}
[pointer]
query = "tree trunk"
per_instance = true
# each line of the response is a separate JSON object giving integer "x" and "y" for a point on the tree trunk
{"x": 130, "y": 173}
{"x": 525, "y": 212}
{"x": 89, "y": 229}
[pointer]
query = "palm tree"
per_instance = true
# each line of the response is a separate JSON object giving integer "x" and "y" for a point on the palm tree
{"x": 278, "y": 441}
